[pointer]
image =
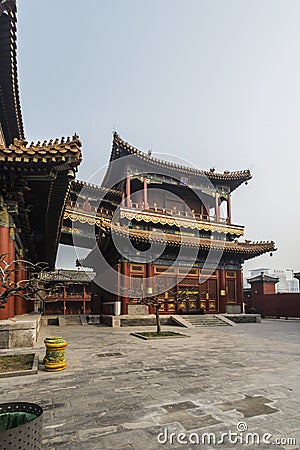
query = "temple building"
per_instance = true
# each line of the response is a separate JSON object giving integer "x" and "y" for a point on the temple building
{"x": 167, "y": 236}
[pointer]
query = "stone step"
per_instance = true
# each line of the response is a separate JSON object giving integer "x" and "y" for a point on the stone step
{"x": 206, "y": 321}
{"x": 71, "y": 320}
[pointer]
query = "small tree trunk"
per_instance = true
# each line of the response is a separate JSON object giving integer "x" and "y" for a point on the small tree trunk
{"x": 158, "y": 327}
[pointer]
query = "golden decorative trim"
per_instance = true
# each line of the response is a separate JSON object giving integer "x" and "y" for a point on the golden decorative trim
{"x": 82, "y": 218}
{"x": 4, "y": 218}
{"x": 184, "y": 223}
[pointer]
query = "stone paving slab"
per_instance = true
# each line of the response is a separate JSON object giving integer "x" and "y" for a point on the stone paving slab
{"x": 217, "y": 380}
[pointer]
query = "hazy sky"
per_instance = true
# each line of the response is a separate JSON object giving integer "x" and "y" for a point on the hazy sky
{"x": 214, "y": 82}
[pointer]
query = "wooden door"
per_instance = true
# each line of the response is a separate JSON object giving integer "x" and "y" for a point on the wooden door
{"x": 208, "y": 294}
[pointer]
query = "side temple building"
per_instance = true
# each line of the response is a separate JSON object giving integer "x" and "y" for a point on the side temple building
{"x": 35, "y": 178}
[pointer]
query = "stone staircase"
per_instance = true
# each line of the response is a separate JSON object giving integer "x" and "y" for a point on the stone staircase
{"x": 207, "y": 320}
{"x": 70, "y": 320}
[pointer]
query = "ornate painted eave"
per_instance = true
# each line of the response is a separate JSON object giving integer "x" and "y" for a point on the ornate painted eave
{"x": 247, "y": 249}
{"x": 10, "y": 108}
{"x": 81, "y": 217}
{"x": 122, "y": 148}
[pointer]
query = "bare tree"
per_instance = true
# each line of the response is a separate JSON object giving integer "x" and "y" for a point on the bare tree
{"x": 30, "y": 288}
{"x": 156, "y": 301}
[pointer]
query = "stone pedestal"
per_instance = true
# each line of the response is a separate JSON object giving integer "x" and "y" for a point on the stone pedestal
{"x": 19, "y": 332}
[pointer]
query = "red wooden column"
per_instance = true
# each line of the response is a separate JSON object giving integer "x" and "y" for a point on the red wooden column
{"x": 125, "y": 284}
{"x": 229, "y": 209}
{"x": 145, "y": 194}
{"x": 4, "y": 248}
{"x": 11, "y": 257}
{"x": 87, "y": 206}
{"x": 217, "y": 208}
{"x": 201, "y": 210}
{"x": 119, "y": 282}
{"x": 239, "y": 286}
{"x": 128, "y": 193}
{"x": 64, "y": 301}
{"x": 150, "y": 283}
{"x": 222, "y": 296}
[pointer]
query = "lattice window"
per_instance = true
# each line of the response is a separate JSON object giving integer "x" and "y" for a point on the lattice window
{"x": 202, "y": 290}
{"x": 207, "y": 272}
{"x": 189, "y": 282}
{"x": 136, "y": 283}
{"x": 192, "y": 272}
{"x": 212, "y": 288}
{"x": 170, "y": 285}
{"x": 162, "y": 269}
{"x": 231, "y": 290}
{"x": 136, "y": 268}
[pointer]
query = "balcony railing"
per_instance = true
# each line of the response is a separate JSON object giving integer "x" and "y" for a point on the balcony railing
{"x": 150, "y": 208}
{"x": 175, "y": 212}
{"x": 92, "y": 209}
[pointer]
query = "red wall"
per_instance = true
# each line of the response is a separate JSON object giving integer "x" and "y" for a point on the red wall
{"x": 278, "y": 305}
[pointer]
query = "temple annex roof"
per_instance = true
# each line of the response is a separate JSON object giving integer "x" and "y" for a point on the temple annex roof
{"x": 65, "y": 275}
{"x": 263, "y": 277}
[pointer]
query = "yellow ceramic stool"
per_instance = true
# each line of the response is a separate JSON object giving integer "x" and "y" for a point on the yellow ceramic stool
{"x": 55, "y": 354}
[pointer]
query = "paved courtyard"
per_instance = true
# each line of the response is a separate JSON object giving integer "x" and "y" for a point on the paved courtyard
{"x": 120, "y": 392}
